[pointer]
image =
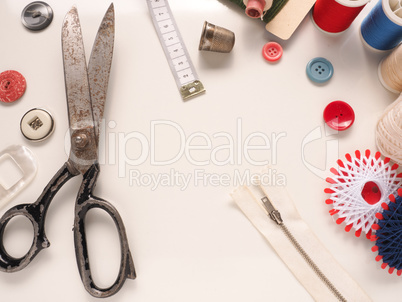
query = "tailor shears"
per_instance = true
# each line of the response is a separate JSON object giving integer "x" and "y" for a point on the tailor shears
{"x": 86, "y": 95}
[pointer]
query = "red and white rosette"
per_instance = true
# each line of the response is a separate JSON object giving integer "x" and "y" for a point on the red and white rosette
{"x": 358, "y": 188}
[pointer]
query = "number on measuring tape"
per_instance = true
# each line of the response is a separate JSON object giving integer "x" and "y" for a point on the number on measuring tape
{"x": 175, "y": 50}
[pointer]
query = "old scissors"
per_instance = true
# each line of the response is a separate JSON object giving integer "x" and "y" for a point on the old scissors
{"x": 86, "y": 96}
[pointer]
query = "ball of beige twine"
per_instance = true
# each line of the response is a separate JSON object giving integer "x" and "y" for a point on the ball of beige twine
{"x": 390, "y": 71}
{"x": 389, "y": 132}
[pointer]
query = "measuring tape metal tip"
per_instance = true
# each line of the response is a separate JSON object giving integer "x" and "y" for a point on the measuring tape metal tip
{"x": 175, "y": 50}
{"x": 191, "y": 89}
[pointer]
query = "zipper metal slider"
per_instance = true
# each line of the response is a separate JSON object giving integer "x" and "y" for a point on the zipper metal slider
{"x": 276, "y": 216}
{"x": 272, "y": 212}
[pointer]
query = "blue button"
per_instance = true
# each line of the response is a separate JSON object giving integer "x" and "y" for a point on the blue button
{"x": 319, "y": 70}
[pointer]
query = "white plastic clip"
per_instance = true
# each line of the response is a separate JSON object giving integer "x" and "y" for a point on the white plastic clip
{"x": 23, "y": 158}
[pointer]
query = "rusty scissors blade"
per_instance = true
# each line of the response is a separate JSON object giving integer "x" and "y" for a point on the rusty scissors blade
{"x": 99, "y": 66}
{"x": 86, "y": 94}
{"x": 86, "y": 88}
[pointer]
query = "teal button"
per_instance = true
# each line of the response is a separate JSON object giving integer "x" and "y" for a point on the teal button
{"x": 319, "y": 70}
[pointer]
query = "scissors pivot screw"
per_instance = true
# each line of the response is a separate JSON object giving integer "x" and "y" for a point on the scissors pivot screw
{"x": 81, "y": 140}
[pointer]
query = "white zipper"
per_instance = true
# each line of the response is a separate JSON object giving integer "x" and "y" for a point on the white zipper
{"x": 296, "y": 244}
{"x": 275, "y": 215}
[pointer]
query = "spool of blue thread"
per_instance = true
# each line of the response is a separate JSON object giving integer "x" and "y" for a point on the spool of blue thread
{"x": 382, "y": 27}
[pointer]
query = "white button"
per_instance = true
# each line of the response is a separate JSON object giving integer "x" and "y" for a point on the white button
{"x": 37, "y": 124}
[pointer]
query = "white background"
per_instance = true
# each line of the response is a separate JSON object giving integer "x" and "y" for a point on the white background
{"x": 192, "y": 244}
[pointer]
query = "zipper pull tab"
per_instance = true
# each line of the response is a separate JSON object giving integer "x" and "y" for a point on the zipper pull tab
{"x": 272, "y": 212}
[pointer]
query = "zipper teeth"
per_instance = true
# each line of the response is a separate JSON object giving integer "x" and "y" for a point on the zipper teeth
{"x": 311, "y": 263}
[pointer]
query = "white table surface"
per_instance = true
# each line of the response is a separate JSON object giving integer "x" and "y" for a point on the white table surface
{"x": 193, "y": 243}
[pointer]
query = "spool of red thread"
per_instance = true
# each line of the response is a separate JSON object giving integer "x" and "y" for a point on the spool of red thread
{"x": 335, "y": 16}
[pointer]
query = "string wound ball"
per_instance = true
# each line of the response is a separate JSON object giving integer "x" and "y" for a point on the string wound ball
{"x": 390, "y": 70}
{"x": 388, "y": 235}
{"x": 389, "y": 132}
{"x": 359, "y": 186}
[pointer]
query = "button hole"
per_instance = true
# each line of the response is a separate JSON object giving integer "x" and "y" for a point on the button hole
{"x": 35, "y": 123}
{"x": 6, "y": 84}
{"x": 35, "y": 13}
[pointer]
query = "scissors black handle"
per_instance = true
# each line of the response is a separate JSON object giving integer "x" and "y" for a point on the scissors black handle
{"x": 36, "y": 213}
{"x": 85, "y": 202}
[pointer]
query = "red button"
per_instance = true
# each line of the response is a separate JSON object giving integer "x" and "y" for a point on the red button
{"x": 339, "y": 115}
{"x": 272, "y": 51}
{"x": 12, "y": 86}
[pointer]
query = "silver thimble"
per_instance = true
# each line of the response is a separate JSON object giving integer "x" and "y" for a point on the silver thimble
{"x": 216, "y": 38}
